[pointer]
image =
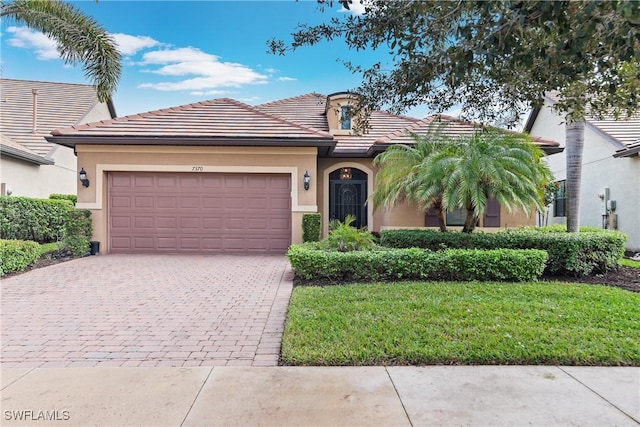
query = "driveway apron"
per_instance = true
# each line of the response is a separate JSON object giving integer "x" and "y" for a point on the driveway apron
{"x": 147, "y": 310}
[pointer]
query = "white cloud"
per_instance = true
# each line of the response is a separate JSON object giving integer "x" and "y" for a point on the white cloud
{"x": 43, "y": 46}
{"x": 286, "y": 79}
{"x": 130, "y": 45}
{"x": 357, "y": 7}
{"x": 209, "y": 71}
{"x": 210, "y": 92}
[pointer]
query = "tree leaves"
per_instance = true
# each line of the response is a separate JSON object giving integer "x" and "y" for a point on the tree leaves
{"x": 79, "y": 38}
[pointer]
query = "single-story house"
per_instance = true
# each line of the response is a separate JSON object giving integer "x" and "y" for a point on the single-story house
{"x": 222, "y": 175}
{"x": 610, "y": 191}
{"x": 30, "y": 165}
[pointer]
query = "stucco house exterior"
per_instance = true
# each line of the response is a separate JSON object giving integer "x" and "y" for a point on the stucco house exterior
{"x": 222, "y": 175}
{"x": 30, "y": 165}
{"x": 610, "y": 191}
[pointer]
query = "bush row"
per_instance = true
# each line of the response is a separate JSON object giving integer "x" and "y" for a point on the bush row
{"x": 40, "y": 220}
{"x": 577, "y": 254}
{"x": 311, "y": 263}
{"x": 16, "y": 255}
{"x": 45, "y": 221}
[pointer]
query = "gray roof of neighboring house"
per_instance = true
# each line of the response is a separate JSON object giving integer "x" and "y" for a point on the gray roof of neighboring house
{"x": 625, "y": 131}
{"x": 296, "y": 121}
{"x": 58, "y": 105}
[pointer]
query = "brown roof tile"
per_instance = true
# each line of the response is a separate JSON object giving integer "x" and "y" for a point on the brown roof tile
{"x": 218, "y": 118}
{"x": 450, "y": 126}
{"x": 308, "y": 110}
{"x": 58, "y": 105}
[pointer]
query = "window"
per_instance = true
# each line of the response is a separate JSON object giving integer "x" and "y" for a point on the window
{"x": 345, "y": 118}
{"x": 560, "y": 201}
{"x": 456, "y": 216}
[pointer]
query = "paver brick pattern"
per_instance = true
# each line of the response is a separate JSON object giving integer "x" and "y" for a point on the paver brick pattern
{"x": 147, "y": 310}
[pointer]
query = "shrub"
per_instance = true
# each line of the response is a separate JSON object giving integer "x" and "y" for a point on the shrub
{"x": 345, "y": 238}
{"x": 310, "y": 263}
{"x": 78, "y": 232}
{"x": 39, "y": 220}
{"x": 45, "y": 221}
{"x": 311, "y": 226}
{"x": 16, "y": 255}
{"x": 577, "y": 254}
{"x": 70, "y": 197}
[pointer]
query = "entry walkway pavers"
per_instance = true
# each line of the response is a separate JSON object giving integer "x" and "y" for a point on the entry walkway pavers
{"x": 323, "y": 396}
{"x": 147, "y": 310}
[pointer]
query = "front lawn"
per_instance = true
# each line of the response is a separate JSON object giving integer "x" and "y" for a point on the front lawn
{"x": 629, "y": 263}
{"x": 417, "y": 323}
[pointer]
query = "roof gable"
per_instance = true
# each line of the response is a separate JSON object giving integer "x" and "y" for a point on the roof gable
{"x": 625, "y": 131}
{"x": 57, "y": 105}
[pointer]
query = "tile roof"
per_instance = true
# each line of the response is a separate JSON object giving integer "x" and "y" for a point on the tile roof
{"x": 9, "y": 147}
{"x": 215, "y": 119}
{"x": 624, "y": 130}
{"x": 296, "y": 120}
{"x": 450, "y": 126}
{"x": 58, "y": 105}
{"x": 310, "y": 110}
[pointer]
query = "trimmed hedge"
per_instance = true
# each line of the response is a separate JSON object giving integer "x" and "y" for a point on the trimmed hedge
{"x": 39, "y": 220}
{"x": 45, "y": 221}
{"x": 311, "y": 226}
{"x": 16, "y": 255}
{"x": 78, "y": 231}
{"x": 577, "y": 254}
{"x": 310, "y": 263}
{"x": 70, "y": 197}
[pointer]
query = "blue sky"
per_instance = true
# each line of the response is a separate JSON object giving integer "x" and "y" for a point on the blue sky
{"x": 179, "y": 52}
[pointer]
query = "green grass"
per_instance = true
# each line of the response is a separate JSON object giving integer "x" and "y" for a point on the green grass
{"x": 414, "y": 323}
{"x": 629, "y": 263}
{"x": 45, "y": 248}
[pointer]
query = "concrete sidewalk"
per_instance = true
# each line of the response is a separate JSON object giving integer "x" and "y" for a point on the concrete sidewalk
{"x": 322, "y": 396}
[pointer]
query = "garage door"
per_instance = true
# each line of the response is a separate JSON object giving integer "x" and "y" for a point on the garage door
{"x": 199, "y": 212}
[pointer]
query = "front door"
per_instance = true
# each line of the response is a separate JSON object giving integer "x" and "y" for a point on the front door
{"x": 348, "y": 195}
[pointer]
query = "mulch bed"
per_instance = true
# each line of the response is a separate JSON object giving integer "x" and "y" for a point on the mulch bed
{"x": 624, "y": 277}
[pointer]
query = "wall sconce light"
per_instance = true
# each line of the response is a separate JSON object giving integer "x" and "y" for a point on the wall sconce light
{"x": 83, "y": 177}
{"x": 307, "y": 180}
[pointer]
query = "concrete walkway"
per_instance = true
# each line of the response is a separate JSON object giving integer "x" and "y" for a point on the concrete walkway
{"x": 147, "y": 310}
{"x": 317, "y": 396}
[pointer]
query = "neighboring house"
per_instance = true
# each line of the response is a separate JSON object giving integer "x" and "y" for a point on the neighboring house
{"x": 221, "y": 175}
{"x": 610, "y": 191}
{"x": 30, "y": 165}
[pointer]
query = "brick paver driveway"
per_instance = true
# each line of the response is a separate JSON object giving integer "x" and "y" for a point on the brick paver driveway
{"x": 147, "y": 310}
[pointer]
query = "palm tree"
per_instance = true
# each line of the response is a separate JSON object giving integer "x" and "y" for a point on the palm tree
{"x": 406, "y": 173}
{"x": 79, "y": 38}
{"x": 505, "y": 167}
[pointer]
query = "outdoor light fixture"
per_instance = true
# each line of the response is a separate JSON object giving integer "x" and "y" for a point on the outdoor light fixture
{"x": 83, "y": 177}
{"x": 345, "y": 173}
{"x": 307, "y": 180}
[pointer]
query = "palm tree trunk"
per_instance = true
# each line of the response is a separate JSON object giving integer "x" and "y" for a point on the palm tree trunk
{"x": 573, "y": 149}
{"x": 440, "y": 214}
{"x": 470, "y": 221}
